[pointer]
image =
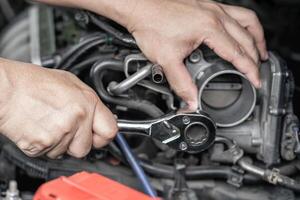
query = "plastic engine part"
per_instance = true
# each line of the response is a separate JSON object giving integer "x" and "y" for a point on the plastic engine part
{"x": 86, "y": 185}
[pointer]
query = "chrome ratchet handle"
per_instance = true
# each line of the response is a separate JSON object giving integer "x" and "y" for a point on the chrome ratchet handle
{"x": 143, "y": 127}
{"x": 191, "y": 132}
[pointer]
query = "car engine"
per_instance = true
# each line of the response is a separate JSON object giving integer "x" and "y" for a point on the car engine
{"x": 242, "y": 144}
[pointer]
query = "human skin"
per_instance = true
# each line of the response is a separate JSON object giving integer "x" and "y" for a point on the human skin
{"x": 47, "y": 111}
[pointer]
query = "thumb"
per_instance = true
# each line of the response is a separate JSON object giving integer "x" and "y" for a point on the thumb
{"x": 104, "y": 125}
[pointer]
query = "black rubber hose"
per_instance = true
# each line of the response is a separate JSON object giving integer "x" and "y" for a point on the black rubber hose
{"x": 82, "y": 51}
{"x": 289, "y": 183}
{"x": 99, "y": 70}
{"x": 48, "y": 169}
{"x": 35, "y": 167}
{"x": 79, "y": 67}
{"x": 72, "y": 50}
{"x": 195, "y": 172}
{"x": 125, "y": 38}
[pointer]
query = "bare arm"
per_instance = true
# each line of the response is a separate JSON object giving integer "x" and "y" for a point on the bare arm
{"x": 118, "y": 11}
{"x": 47, "y": 111}
{"x": 167, "y": 31}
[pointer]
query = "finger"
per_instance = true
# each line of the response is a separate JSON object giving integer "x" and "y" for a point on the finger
{"x": 81, "y": 144}
{"x": 181, "y": 82}
{"x": 61, "y": 147}
{"x": 248, "y": 19}
{"x": 243, "y": 37}
{"x": 229, "y": 49}
{"x": 99, "y": 141}
{"x": 104, "y": 125}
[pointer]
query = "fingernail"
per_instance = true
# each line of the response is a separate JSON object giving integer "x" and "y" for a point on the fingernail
{"x": 266, "y": 56}
{"x": 259, "y": 84}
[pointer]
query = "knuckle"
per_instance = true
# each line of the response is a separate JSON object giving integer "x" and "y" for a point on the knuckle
{"x": 252, "y": 15}
{"x": 29, "y": 148}
{"x": 215, "y": 7}
{"x": 91, "y": 95}
{"x": 63, "y": 127}
{"x": 79, "y": 110}
{"x": 43, "y": 143}
{"x": 214, "y": 22}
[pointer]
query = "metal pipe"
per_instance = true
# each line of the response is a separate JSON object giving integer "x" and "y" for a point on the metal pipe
{"x": 157, "y": 74}
{"x": 119, "y": 88}
{"x": 99, "y": 70}
{"x": 247, "y": 166}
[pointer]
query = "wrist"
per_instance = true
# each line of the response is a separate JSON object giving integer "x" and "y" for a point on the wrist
{"x": 118, "y": 11}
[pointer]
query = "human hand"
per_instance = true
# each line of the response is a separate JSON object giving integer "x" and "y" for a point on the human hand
{"x": 46, "y": 111}
{"x": 168, "y": 31}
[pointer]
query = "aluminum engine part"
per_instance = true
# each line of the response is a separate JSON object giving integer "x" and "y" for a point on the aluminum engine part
{"x": 260, "y": 132}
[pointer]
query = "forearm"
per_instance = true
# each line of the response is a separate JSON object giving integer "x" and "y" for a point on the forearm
{"x": 119, "y": 11}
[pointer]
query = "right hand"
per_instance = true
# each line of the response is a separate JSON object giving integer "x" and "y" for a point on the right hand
{"x": 47, "y": 111}
{"x": 167, "y": 31}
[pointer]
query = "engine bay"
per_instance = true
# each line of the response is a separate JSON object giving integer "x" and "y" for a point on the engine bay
{"x": 242, "y": 144}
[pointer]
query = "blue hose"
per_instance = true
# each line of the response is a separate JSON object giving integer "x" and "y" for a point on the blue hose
{"x": 134, "y": 163}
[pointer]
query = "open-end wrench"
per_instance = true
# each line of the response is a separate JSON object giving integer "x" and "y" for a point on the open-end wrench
{"x": 190, "y": 132}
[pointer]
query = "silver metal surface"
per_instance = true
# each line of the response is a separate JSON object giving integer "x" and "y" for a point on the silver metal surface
{"x": 119, "y": 88}
{"x": 148, "y": 84}
{"x": 157, "y": 74}
{"x": 245, "y": 165}
{"x": 35, "y": 35}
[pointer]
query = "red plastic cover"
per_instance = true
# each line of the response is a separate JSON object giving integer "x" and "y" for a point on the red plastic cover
{"x": 87, "y": 186}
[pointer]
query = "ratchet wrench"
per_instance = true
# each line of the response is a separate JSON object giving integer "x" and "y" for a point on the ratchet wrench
{"x": 190, "y": 132}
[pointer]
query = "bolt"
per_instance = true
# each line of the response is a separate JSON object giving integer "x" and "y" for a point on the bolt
{"x": 236, "y": 152}
{"x": 234, "y": 179}
{"x": 195, "y": 57}
{"x": 183, "y": 146}
{"x": 186, "y": 120}
{"x": 82, "y": 17}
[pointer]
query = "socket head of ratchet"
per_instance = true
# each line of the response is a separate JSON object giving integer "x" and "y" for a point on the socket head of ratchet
{"x": 189, "y": 132}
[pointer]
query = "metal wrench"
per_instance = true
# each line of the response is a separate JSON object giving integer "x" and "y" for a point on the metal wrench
{"x": 190, "y": 132}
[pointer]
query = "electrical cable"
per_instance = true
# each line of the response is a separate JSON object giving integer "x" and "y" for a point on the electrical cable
{"x": 134, "y": 163}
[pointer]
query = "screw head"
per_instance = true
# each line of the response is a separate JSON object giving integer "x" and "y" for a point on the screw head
{"x": 183, "y": 146}
{"x": 195, "y": 57}
{"x": 186, "y": 120}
